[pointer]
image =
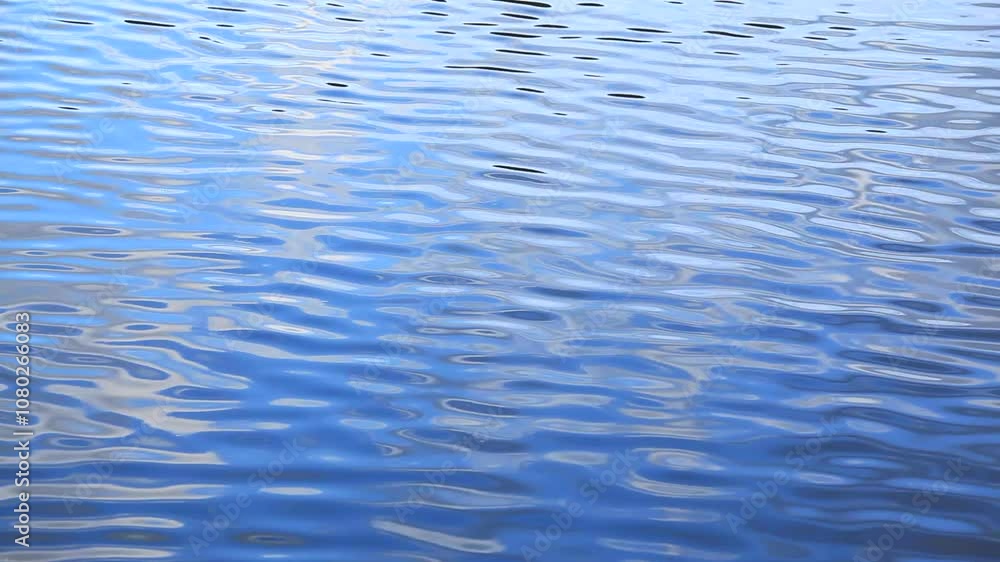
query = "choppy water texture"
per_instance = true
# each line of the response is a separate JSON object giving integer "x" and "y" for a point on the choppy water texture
{"x": 505, "y": 280}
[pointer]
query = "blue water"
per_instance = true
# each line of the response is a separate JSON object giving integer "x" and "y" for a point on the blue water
{"x": 504, "y": 280}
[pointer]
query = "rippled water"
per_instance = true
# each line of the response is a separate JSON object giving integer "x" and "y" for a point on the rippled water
{"x": 505, "y": 280}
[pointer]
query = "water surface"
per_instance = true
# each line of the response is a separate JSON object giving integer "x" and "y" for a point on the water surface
{"x": 505, "y": 280}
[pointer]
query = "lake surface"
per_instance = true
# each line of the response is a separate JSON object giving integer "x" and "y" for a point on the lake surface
{"x": 504, "y": 280}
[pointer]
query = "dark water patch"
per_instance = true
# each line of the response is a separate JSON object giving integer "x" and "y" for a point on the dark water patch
{"x": 149, "y": 23}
